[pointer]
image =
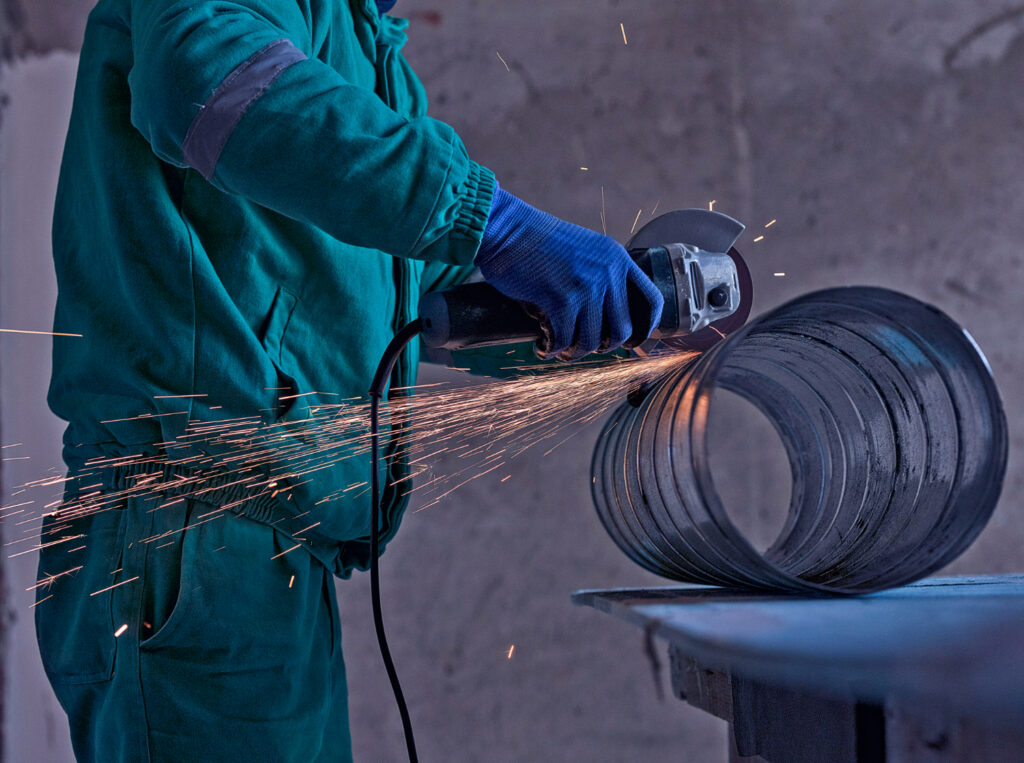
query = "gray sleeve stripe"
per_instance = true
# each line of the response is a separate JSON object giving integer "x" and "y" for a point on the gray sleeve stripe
{"x": 217, "y": 119}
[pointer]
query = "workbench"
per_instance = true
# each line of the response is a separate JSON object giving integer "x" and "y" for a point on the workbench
{"x": 932, "y": 671}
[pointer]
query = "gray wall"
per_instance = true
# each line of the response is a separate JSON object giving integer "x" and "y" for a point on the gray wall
{"x": 884, "y": 137}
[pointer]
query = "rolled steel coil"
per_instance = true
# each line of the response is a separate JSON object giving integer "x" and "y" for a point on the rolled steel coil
{"x": 892, "y": 424}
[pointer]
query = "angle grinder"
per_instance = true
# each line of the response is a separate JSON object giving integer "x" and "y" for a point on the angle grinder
{"x": 688, "y": 254}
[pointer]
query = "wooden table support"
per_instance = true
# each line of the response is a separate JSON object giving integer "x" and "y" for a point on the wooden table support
{"x": 928, "y": 673}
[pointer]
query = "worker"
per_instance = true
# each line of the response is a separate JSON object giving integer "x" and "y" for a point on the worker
{"x": 251, "y": 201}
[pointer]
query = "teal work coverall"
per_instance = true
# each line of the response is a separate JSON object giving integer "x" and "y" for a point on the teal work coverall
{"x": 251, "y": 202}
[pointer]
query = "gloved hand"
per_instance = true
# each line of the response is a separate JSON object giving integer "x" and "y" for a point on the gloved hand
{"x": 583, "y": 282}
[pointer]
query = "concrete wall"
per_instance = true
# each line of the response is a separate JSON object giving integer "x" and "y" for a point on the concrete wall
{"x": 31, "y": 135}
{"x": 886, "y": 140}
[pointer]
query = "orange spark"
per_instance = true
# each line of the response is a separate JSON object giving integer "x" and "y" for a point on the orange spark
{"x": 31, "y": 606}
{"x": 604, "y": 226}
{"x": 41, "y": 333}
{"x": 287, "y": 551}
{"x": 635, "y": 220}
{"x": 110, "y": 587}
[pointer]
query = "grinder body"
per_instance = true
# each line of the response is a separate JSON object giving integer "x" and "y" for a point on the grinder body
{"x": 688, "y": 254}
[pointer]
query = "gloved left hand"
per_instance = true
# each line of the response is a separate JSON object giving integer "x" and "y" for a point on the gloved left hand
{"x": 584, "y": 283}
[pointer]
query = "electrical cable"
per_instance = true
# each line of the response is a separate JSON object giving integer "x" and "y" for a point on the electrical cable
{"x": 380, "y": 380}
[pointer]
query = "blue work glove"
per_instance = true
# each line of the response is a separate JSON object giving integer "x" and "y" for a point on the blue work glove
{"x": 583, "y": 283}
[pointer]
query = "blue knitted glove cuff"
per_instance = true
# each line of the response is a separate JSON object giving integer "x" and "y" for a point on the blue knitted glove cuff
{"x": 513, "y": 230}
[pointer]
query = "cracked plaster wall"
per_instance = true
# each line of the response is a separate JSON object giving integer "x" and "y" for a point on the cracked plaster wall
{"x": 886, "y": 140}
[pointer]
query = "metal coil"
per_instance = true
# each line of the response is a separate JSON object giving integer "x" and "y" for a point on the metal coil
{"x": 892, "y": 424}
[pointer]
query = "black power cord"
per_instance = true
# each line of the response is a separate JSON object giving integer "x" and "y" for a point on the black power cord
{"x": 380, "y": 380}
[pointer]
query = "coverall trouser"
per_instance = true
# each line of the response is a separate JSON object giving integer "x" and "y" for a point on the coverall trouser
{"x": 181, "y": 632}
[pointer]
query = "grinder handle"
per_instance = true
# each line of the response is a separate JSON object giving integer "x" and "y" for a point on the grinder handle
{"x": 475, "y": 315}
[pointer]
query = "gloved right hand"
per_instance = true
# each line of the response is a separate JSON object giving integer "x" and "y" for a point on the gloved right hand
{"x": 583, "y": 282}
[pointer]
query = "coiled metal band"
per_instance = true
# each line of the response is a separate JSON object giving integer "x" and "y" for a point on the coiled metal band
{"x": 893, "y": 427}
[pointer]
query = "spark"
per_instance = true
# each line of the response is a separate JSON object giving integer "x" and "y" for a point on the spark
{"x": 503, "y": 61}
{"x": 120, "y": 630}
{"x": 48, "y": 580}
{"x": 33, "y": 606}
{"x": 111, "y": 587}
{"x": 39, "y": 547}
{"x": 769, "y": 225}
{"x": 511, "y": 649}
{"x": 41, "y": 333}
{"x": 477, "y": 429}
{"x": 655, "y": 207}
{"x": 293, "y": 397}
{"x": 758, "y": 238}
{"x": 286, "y": 551}
{"x": 778, "y": 275}
{"x": 635, "y": 220}
{"x": 562, "y": 442}
{"x": 584, "y": 168}
{"x": 291, "y": 582}
{"x": 623, "y": 28}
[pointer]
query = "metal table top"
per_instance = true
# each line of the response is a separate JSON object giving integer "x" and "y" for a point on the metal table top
{"x": 955, "y": 644}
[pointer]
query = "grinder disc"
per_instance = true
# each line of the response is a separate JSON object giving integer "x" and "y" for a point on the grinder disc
{"x": 713, "y": 232}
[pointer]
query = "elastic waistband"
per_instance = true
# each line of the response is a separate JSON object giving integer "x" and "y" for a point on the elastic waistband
{"x": 230, "y": 494}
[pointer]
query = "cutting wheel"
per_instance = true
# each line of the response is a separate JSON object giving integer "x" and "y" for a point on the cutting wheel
{"x": 713, "y": 232}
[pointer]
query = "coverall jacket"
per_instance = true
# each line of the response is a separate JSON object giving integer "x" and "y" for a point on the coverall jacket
{"x": 251, "y": 201}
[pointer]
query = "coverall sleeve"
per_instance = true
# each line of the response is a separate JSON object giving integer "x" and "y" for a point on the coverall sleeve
{"x": 234, "y": 91}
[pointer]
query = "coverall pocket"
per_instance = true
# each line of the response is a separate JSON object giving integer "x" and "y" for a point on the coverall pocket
{"x": 74, "y": 618}
{"x": 272, "y": 338}
{"x": 170, "y": 579}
